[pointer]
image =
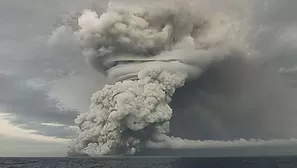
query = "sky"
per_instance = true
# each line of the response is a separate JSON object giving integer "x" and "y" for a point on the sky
{"x": 45, "y": 81}
{"x": 36, "y": 111}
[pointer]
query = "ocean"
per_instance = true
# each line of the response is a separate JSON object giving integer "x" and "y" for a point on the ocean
{"x": 150, "y": 162}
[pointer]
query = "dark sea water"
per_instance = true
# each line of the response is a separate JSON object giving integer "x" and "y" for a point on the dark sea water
{"x": 149, "y": 162}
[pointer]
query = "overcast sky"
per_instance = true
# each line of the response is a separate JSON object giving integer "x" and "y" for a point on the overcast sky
{"x": 44, "y": 80}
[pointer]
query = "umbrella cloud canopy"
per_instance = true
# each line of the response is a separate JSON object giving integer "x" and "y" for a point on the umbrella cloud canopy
{"x": 155, "y": 56}
{"x": 156, "y": 32}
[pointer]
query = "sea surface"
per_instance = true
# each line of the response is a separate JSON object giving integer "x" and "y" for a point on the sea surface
{"x": 150, "y": 162}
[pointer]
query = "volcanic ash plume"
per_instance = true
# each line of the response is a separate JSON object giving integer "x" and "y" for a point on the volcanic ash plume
{"x": 147, "y": 52}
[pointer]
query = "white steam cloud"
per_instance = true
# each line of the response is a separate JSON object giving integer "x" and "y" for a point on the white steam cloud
{"x": 132, "y": 105}
{"x": 147, "y": 51}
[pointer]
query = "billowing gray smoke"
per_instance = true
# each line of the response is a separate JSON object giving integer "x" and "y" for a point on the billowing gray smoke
{"x": 172, "y": 71}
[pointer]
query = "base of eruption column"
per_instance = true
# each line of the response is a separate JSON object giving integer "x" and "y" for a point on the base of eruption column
{"x": 285, "y": 150}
